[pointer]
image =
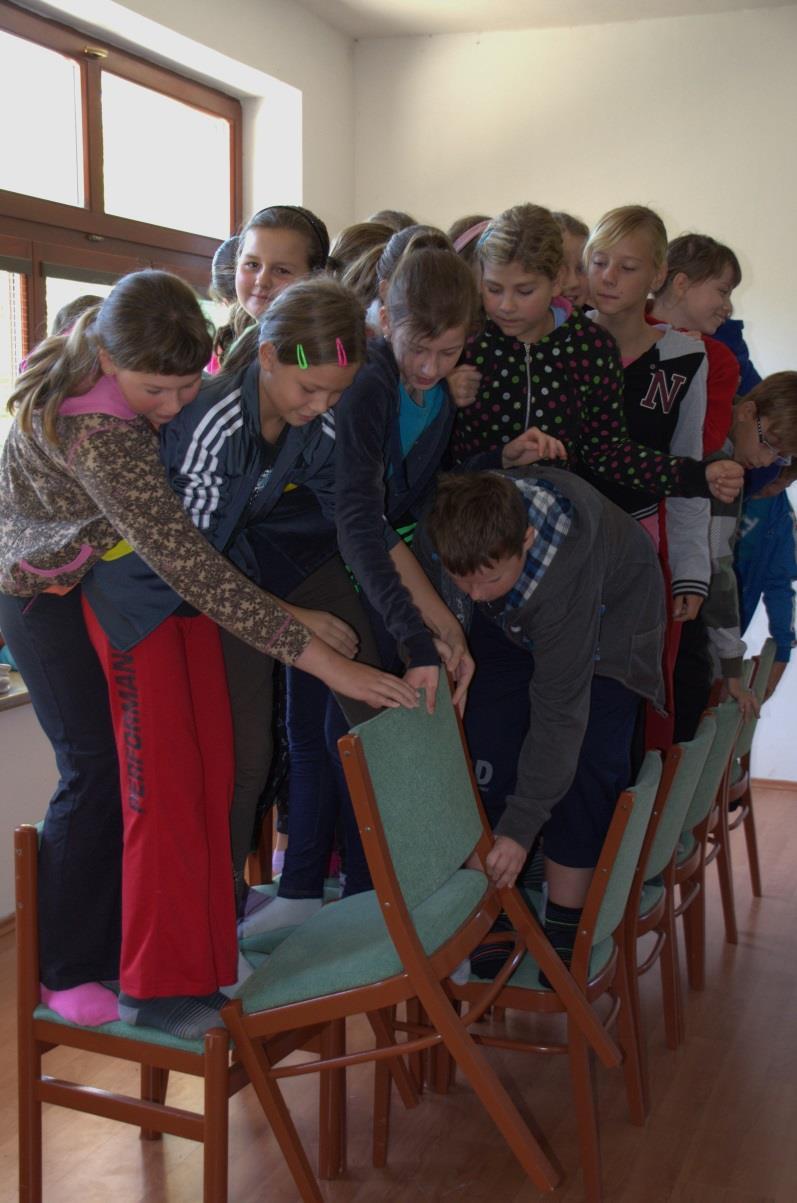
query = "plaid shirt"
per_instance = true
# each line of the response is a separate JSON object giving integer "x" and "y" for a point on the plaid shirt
{"x": 550, "y": 514}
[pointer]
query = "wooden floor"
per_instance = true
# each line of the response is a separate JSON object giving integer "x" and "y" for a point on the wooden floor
{"x": 723, "y": 1129}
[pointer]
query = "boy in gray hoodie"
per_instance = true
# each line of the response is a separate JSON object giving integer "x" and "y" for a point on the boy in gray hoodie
{"x": 574, "y": 587}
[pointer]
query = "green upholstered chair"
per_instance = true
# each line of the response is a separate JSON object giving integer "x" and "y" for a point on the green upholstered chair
{"x": 419, "y": 818}
{"x": 598, "y": 967}
{"x": 40, "y": 1029}
{"x": 651, "y": 903}
{"x": 694, "y": 850}
{"x": 740, "y": 811}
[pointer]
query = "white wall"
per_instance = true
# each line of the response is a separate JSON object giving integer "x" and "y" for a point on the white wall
{"x": 692, "y": 115}
{"x": 774, "y": 752}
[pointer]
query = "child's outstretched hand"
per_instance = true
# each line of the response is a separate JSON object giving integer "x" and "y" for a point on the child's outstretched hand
{"x": 531, "y": 445}
{"x": 460, "y": 664}
{"x": 463, "y": 384}
{"x": 504, "y": 861}
{"x": 365, "y": 684}
{"x": 747, "y": 701}
{"x": 725, "y": 479}
{"x": 334, "y": 631}
{"x": 426, "y": 677}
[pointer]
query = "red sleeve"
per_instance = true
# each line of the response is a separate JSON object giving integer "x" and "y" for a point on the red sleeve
{"x": 723, "y": 381}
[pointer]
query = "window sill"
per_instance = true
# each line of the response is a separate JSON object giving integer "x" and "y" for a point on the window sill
{"x": 17, "y": 695}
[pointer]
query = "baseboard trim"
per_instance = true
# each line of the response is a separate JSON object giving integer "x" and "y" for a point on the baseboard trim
{"x": 773, "y": 783}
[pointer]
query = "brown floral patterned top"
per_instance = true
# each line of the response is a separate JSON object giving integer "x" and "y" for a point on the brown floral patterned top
{"x": 63, "y": 507}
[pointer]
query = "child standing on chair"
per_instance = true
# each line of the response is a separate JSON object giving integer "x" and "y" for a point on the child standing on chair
{"x": 763, "y": 434}
{"x": 574, "y": 584}
{"x": 394, "y": 426}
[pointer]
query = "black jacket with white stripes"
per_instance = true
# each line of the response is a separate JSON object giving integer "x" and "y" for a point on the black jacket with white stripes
{"x": 269, "y": 510}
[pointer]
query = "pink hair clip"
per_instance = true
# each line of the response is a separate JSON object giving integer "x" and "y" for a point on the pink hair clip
{"x": 343, "y": 359}
{"x": 470, "y": 234}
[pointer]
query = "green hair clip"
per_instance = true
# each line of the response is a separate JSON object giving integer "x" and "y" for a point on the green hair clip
{"x": 301, "y": 358}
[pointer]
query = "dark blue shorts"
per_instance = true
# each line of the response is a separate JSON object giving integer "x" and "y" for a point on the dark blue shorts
{"x": 496, "y": 724}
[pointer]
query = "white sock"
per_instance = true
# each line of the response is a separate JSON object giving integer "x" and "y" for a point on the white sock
{"x": 278, "y": 912}
{"x": 461, "y": 975}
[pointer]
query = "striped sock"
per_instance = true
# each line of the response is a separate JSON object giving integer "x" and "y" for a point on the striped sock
{"x": 182, "y": 1016}
{"x": 561, "y": 928}
{"x": 488, "y": 958}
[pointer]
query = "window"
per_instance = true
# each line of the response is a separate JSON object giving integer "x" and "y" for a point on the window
{"x": 113, "y": 165}
{"x": 171, "y": 181}
{"x": 42, "y": 154}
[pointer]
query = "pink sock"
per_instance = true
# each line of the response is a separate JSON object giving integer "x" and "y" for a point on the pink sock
{"x": 88, "y": 1005}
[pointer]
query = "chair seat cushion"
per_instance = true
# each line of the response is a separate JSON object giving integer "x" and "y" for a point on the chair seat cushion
{"x": 267, "y": 941}
{"x": 347, "y": 945}
{"x": 686, "y": 846}
{"x": 126, "y": 1031}
{"x": 652, "y": 892}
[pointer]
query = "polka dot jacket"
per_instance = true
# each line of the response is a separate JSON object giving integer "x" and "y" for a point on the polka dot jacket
{"x": 570, "y": 384}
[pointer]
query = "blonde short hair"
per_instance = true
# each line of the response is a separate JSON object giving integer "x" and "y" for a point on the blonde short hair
{"x": 621, "y": 223}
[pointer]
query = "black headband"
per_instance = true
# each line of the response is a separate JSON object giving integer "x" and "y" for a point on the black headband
{"x": 315, "y": 224}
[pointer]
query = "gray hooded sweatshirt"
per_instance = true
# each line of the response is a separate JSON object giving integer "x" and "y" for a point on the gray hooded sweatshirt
{"x": 597, "y": 609}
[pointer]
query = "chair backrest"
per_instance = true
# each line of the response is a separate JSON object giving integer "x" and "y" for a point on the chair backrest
{"x": 762, "y": 667}
{"x": 693, "y": 760}
{"x": 423, "y": 790}
{"x": 727, "y": 719}
{"x": 619, "y": 874}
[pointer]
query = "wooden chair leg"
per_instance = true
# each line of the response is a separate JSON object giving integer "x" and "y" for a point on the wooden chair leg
{"x": 381, "y": 1128}
{"x": 415, "y": 1014}
{"x": 332, "y": 1105}
{"x": 30, "y": 1124}
{"x": 397, "y": 1069}
{"x": 216, "y": 1150}
{"x": 751, "y": 840}
{"x": 487, "y": 1085}
{"x": 725, "y": 871}
{"x": 694, "y": 918}
{"x": 581, "y": 1076}
{"x": 276, "y": 1111}
{"x": 672, "y": 997}
{"x": 631, "y": 1038}
{"x": 628, "y": 952}
{"x": 154, "y": 1083}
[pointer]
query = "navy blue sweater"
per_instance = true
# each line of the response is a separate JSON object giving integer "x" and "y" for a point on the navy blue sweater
{"x": 376, "y": 479}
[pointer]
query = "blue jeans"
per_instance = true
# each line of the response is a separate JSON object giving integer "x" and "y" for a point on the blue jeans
{"x": 318, "y": 797}
{"x": 80, "y": 856}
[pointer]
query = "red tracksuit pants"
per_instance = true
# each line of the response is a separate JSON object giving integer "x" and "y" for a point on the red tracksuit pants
{"x": 173, "y": 731}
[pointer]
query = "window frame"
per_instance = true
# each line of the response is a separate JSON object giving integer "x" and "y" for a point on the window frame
{"x": 45, "y": 231}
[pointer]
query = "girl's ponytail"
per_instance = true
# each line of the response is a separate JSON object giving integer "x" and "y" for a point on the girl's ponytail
{"x": 241, "y": 351}
{"x": 406, "y": 242}
{"x": 61, "y": 366}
